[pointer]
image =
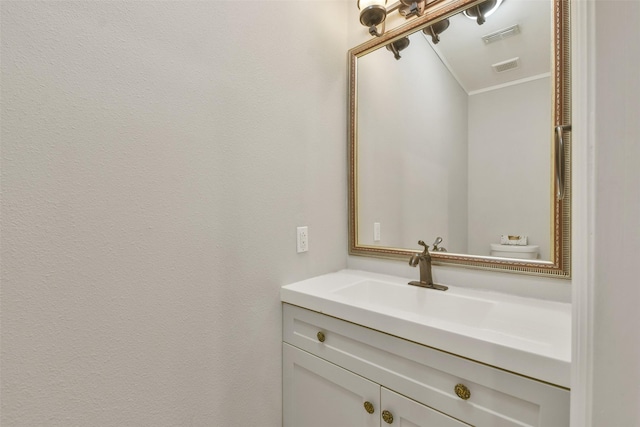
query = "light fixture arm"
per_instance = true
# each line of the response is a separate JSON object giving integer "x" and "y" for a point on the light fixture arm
{"x": 435, "y": 38}
{"x": 480, "y": 19}
{"x": 374, "y": 15}
{"x": 416, "y": 8}
{"x": 373, "y": 30}
{"x": 395, "y": 52}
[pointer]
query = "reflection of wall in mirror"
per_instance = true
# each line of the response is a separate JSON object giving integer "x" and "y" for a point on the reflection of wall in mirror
{"x": 412, "y": 154}
{"x": 509, "y": 165}
{"x": 434, "y": 161}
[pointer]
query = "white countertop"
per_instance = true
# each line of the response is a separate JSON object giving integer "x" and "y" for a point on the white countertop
{"x": 527, "y": 336}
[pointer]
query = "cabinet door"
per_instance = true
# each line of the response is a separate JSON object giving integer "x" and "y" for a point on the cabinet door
{"x": 403, "y": 412}
{"x": 317, "y": 393}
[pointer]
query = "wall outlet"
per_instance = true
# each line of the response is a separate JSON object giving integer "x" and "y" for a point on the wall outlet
{"x": 376, "y": 231}
{"x": 303, "y": 239}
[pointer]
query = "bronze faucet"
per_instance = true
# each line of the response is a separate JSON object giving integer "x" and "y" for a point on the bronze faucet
{"x": 424, "y": 260}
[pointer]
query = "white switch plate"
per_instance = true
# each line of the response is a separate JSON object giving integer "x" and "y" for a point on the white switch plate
{"x": 376, "y": 231}
{"x": 302, "y": 239}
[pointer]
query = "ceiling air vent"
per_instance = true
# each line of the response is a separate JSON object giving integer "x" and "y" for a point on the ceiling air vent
{"x": 501, "y": 34}
{"x": 507, "y": 65}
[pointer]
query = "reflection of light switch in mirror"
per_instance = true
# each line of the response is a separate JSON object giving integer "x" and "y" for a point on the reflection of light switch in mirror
{"x": 376, "y": 231}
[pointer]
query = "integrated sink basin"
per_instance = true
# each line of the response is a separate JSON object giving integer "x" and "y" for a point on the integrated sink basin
{"x": 523, "y": 335}
{"x": 413, "y": 301}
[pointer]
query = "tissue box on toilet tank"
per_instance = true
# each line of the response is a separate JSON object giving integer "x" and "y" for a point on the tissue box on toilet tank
{"x": 509, "y": 239}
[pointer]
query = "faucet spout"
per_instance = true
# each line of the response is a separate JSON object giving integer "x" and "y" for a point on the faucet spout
{"x": 414, "y": 260}
{"x": 424, "y": 261}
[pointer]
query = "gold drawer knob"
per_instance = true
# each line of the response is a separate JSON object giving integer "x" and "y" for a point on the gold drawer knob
{"x": 387, "y": 417}
{"x": 368, "y": 406}
{"x": 321, "y": 336}
{"x": 462, "y": 391}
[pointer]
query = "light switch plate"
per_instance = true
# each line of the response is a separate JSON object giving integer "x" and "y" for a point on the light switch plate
{"x": 302, "y": 239}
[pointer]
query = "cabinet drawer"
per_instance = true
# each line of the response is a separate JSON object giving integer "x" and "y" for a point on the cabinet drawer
{"x": 497, "y": 398}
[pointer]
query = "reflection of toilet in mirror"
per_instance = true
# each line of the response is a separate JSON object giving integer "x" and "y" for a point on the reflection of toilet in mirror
{"x": 514, "y": 246}
{"x": 513, "y": 251}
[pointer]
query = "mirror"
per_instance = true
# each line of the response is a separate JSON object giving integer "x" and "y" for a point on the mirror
{"x": 464, "y": 139}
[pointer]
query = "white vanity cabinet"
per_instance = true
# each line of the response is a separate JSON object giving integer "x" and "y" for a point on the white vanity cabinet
{"x": 318, "y": 393}
{"x": 332, "y": 367}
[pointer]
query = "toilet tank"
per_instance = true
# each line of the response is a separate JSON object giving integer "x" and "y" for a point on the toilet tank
{"x": 512, "y": 251}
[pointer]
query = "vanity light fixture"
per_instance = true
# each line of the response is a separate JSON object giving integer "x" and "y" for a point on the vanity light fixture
{"x": 397, "y": 46}
{"x": 482, "y": 10}
{"x": 435, "y": 30}
{"x": 374, "y": 12}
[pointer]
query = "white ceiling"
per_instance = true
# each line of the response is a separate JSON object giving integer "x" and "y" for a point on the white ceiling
{"x": 469, "y": 59}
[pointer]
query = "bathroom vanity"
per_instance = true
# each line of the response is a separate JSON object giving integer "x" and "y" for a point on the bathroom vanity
{"x": 364, "y": 349}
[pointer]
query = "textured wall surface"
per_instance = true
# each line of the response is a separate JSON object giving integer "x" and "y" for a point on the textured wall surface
{"x": 616, "y": 355}
{"x": 156, "y": 159}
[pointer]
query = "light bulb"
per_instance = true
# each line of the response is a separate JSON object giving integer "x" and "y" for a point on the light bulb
{"x": 363, "y": 4}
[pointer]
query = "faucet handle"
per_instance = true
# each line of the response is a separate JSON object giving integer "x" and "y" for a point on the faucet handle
{"x": 426, "y": 247}
{"x": 437, "y": 248}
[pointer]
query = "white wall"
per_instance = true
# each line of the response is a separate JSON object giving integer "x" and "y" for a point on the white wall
{"x": 156, "y": 159}
{"x": 510, "y": 129}
{"x": 412, "y": 149}
{"x": 616, "y": 214}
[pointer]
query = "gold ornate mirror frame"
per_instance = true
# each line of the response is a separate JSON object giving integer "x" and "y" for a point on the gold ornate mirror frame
{"x": 559, "y": 265}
